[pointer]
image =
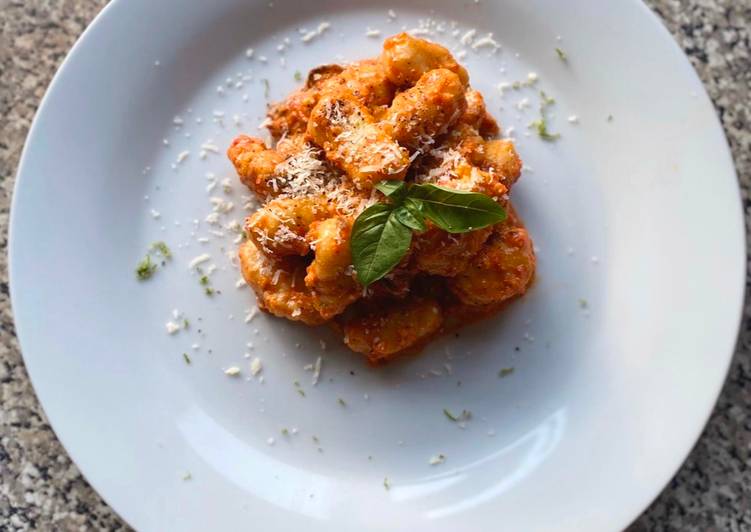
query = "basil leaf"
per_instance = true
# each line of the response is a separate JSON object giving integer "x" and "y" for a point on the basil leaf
{"x": 412, "y": 218}
{"x": 379, "y": 241}
{"x": 393, "y": 189}
{"x": 456, "y": 211}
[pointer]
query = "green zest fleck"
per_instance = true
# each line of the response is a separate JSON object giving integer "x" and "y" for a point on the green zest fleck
{"x": 386, "y": 483}
{"x": 583, "y": 303}
{"x": 162, "y": 249}
{"x": 505, "y": 372}
{"x": 448, "y": 414}
{"x": 204, "y": 281}
{"x": 186, "y": 358}
{"x": 561, "y": 55}
{"x": 266, "y": 87}
{"x": 382, "y": 233}
{"x": 298, "y": 75}
{"x": 465, "y": 415}
{"x": 145, "y": 269}
{"x": 341, "y": 401}
{"x": 301, "y": 392}
{"x": 285, "y": 432}
{"x": 186, "y": 324}
{"x": 541, "y": 125}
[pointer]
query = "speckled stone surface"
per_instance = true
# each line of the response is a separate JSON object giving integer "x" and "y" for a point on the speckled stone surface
{"x": 40, "y": 488}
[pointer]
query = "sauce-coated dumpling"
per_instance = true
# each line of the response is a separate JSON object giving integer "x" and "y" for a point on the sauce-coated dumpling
{"x": 407, "y": 115}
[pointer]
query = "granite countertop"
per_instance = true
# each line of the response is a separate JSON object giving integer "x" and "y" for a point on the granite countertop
{"x": 40, "y": 488}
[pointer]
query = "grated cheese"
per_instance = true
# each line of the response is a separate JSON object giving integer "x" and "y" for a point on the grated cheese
{"x": 252, "y": 314}
{"x": 317, "y": 370}
{"x": 210, "y": 146}
{"x": 486, "y": 42}
{"x": 172, "y": 327}
{"x": 255, "y": 366}
{"x": 309, "y": 36}
{"x": 437, "y": 459}
{"x": 468, "y": 37}
{"x": 233, "y": 371}
{"x": 198, "y": 260}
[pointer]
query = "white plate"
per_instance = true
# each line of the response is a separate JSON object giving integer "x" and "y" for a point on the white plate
{"x": 639, "y": 216}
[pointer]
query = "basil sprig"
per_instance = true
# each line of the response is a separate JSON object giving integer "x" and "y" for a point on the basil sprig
{"x": 382, "y": 233}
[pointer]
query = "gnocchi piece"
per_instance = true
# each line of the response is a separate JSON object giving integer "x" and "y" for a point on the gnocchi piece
{"x": 425, "y": 110}
{"x": 365, "y": 81}
{"x": 406, "y": 58}
{"x": 279, "y": 285}
{"x": 437, "y": 252}
{"x": 504, "y": 267}
{"x": 330, "y": 275}
{"x": 476, "y": 115}
{"x": 393, "y": 327}
{"x": 290, "y": 116}
{"x": 497, "y": 156}
{"x": 500, "y": 157}
{"x": 279, "y": 228}
{"x": 346, "y": 131}
{"x": 255, "y": 163}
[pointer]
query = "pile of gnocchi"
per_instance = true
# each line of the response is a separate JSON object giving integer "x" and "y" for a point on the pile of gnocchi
{"x": 408, "y": 115}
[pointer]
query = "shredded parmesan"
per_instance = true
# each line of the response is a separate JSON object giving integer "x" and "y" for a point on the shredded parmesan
{"x": 437, "y": 459}
{"x": 317, "y": 370}
{"x": 309, "y": 36}
{"x": 198, "y": 260}
{"x": 255, "y": 366}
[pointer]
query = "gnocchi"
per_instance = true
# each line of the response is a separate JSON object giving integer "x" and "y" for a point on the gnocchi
{"x": 407, "y": 115}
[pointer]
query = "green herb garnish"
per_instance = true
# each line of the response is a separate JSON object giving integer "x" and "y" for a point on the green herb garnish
{"x": 386, "y": 483}
{"x": 186, "y": 358}
{"x": 298, "y": 75}
{"x": 505, "y": 372}
{"x": 145, "y": 269}
{"x": 382, "y": 233}
{"x": 465, "y": 415}
{"x": 561, "y": 55}
{"x": 541, "y": 125}
{"x": 204, "y": 281}
{"x": 162, "y": 248}
{"x": 266, "y": 87}
{"x": 341, "y": 401}
{"x": 285, "y": 432}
